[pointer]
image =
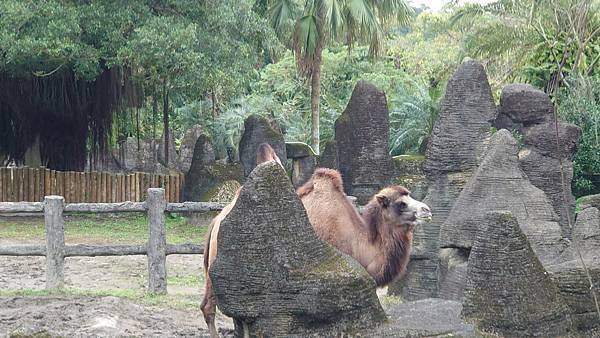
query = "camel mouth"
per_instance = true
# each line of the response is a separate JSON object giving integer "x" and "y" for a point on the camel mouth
{"x": 424, "y": 216}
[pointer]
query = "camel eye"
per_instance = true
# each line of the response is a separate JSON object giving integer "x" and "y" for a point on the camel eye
{"x": 400, "y": 206}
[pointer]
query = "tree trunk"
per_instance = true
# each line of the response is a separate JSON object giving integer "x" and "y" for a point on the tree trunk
{"x": 315, "y": 95}
{"x": 154, "y": 115}
{"x": 213, "y": 98}
{"x": 166, "y": 122}
{"x": 137, "y": 127}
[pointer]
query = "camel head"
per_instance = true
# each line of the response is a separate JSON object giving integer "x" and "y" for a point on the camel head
{"x": 265, "y": 153}
{"x": 399, "y": 210}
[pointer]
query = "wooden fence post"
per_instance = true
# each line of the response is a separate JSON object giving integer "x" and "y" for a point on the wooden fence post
{"x": 157, "y": 242}
{"x": 55, "y": 241}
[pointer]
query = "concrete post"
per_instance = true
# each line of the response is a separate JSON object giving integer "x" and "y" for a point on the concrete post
{"x": 55, "y": 241}
{"x": 157, "y": 241}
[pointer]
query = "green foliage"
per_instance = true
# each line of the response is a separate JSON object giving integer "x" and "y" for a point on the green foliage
{"x": 413, "y": 114}
{"x": 580, "y": 104}
{"x": 531, "y": 40}
{"x": 429, "y": 51}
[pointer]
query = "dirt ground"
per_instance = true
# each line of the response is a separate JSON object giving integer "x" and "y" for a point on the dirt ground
{"x": 73, "y": 315}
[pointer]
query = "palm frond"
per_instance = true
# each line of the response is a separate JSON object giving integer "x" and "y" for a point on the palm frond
{"x": 281, "y": 13}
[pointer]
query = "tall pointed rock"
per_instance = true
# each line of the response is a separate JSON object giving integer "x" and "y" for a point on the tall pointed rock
{"x": 508, "y": 292}
{"x": 455, "y": 148}
{"x": 273, "y": 273}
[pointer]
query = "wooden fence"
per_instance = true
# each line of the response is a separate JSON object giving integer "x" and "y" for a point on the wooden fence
{"x": 32, "y": 184}
{"x": 156, "y": 248}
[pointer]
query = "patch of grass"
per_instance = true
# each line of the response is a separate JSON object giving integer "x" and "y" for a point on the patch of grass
{"x": 129, "y": 228}
{"x": 189, "y": 280}
{"x": 177, "y": 301}
{"x": 390, "y": 300}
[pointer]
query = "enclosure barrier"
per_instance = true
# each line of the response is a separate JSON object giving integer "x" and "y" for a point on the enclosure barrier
{"x": 156, "y": 249}
{"x": 32, "y": 184}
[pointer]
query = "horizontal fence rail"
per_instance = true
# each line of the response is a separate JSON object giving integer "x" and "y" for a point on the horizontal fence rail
{"x": 156, "y": 248}
{"x": 32, "y": 184}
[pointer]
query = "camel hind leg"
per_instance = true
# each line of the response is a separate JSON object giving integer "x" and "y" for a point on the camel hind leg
{"x": 209, "y": 306}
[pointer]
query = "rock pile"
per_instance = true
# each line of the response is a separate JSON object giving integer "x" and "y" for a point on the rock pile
{"x": 274, "y": 276}
{"x": 529, "y": 113}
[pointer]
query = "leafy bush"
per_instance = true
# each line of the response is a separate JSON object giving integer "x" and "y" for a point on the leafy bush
{"x": 580, "y": 104}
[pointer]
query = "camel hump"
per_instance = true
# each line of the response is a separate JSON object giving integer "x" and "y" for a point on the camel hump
{"x": 330, "y": 176}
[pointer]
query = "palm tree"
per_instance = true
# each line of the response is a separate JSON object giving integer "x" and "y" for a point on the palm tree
{"x": 549, "y": 39}
{"x": 322, "y": 21}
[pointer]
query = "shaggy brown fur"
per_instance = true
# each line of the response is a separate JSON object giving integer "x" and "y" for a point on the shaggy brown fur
{"x": 264, "y": 153}
{"x": 380, "y": 240}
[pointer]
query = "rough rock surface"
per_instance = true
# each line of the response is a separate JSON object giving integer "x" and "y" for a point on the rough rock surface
{"x": 186, "y": 149}
{"x": 408, "y": 172}
{"x": 134, "y": 159}
{"x": 303, "y": 161}
{"x": 590, "y": 201}
{"x": 302, "y": 170}
{"x": 257, "y": 130}
{"x": 424, "y": 318}
{"x": 499, "y": 184}
{"x": 466, "y": 112}
{"x": 222, "y": 192}
{"x": 452, "y": 273}
{"x": 508, "y": 292}
{"x": 202, "y": 178}
{"x": 362, "y": 139}
{"x": 298, "y": 150}
{"x": 570, "y": 275}
{"x": 273, "y": 273}
{"x": 454, "y": 150}
{"x": 328, "y": 158}
{"x": 522, "y": 105}
{"x": 530, "y": 112}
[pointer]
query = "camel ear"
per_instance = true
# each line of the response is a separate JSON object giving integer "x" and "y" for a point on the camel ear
{"x": 383, "y": 200}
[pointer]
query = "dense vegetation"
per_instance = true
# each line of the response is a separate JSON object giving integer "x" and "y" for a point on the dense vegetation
{"x": 89, "y": 74}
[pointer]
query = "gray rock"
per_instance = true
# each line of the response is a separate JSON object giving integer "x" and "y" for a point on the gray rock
{"x": 408, "y": 172}
{"x": 424, "y": 318}
{"x": 542, "y": 137}
{"x": 452, "y": 273}
{"x": 572, "y": 280}
{"x": 498, "y": 183}
{"x": 298, "y": 150}
{"x": 508, "y": 292}
{"x": 586, "y": 233}
{"x": 257, "y": 130}
{"x": 466, "y": 112}
{"x": 544, "y": 172}
{"x": 590, "y": 201}
{"x": 273, "y": 272}
{"x": 302, "y": 170}
{"x": 522, "y": 105}
{"x": 133, "y": 158}
{"x": 531, "y": 112}
{"x": 419, "y": 281}
{"x": 328, "y": 158}
{"x": 203, "y": 180}
{"x": 186, "y": 149}
{"x": 571, "y": 275}
{"x": 455, "y": 148}
{"x": 362, "y": 140}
